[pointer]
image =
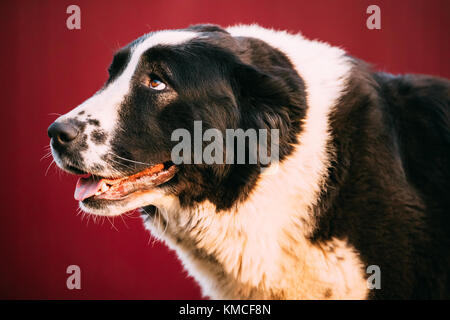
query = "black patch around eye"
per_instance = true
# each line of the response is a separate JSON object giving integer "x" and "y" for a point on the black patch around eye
{"x": 94, "y": 122}
{"x": 215, "y": 86}
{"x": 98, "y": 136}
{"x": 80, "y": 113}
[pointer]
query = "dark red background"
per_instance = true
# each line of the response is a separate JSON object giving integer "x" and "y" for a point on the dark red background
{"x": 46, "y": 68}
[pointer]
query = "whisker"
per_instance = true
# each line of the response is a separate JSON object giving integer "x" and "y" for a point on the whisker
{"x": 138, "y": 162}
{"x": 112, "y": 224}
{"x": 131, "y": 215}
{"x": 150, "y": 234}
{"x": 49, "y": 166}
{"x": 121, "y": 164}
{"x": 123, "y": 220}
{"x": 48, "y": 154}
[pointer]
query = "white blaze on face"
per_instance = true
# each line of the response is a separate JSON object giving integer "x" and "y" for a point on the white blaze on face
{"x": 104, "y": 105}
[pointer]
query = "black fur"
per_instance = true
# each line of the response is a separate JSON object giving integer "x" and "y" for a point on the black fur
{"x": 387, "y": 187}
{"x": 386, "y": 192}
{"x": 120, "y": 61}
{"x": 226, "y": 83}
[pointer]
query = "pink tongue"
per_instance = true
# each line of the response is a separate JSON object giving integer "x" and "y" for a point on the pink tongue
{"x": 86, "y": 187}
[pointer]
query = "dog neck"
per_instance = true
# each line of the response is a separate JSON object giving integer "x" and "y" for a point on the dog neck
{"x": 260, "y": 248}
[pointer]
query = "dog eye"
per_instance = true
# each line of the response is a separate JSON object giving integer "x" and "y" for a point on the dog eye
{"x": 153, "y": 82}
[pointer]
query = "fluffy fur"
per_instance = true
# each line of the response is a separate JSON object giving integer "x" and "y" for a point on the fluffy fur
{"x": 363, "y": 170}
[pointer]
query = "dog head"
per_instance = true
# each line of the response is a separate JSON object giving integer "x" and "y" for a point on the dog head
{"x": 120, "y": 139}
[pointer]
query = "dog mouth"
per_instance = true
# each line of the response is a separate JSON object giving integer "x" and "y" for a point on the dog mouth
{"x": 94, "y": 187}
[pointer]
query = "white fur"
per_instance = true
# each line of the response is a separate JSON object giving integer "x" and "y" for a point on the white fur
{"x": 105, "y": 104}
{"x": 260, "y": 249}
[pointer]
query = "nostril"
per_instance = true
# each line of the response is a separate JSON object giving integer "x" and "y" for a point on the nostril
{"x": 62, "y": 132}
{"x": 68, "y": 136}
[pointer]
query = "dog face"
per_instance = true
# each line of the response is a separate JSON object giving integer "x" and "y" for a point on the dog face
{"x": 120, "y": 138}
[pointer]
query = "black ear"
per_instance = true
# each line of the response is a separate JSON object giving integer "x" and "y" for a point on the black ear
{"x": 206, "y": 28}
{"x": 269, "y": 101}
{"x": 257, "y": 87}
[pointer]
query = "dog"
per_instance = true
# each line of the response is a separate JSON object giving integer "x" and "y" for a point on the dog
{"x": 356, "y": 207}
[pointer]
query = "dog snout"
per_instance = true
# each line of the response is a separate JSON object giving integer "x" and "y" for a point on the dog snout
{"x": 63, "y": 133}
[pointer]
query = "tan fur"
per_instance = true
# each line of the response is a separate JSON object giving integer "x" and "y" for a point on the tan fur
{"x": 260, "y": 249}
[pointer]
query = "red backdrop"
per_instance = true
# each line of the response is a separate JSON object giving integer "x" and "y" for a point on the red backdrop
{"x": 46, "y": 68}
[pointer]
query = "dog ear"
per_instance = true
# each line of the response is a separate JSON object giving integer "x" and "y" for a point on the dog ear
{"x": 263, "y": 98}
{"x": 273, "y": 98}
{"x": 259, "y": 86}
{"x": 207, "y": 27}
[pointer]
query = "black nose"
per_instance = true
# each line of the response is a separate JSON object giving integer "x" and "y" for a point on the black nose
{"x": 62, "y": 133}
